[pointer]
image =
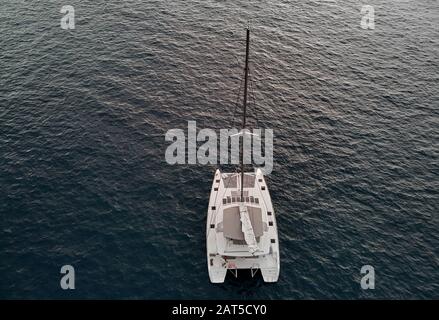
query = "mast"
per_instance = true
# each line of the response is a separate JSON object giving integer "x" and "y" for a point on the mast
{"x": 244, "y": 112}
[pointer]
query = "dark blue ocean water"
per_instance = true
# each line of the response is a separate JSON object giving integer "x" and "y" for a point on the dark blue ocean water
{"x": 83, "y": 114}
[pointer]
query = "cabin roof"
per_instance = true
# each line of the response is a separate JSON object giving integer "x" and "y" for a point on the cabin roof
{"x": 231, "y": 181}
{"x": 232, "y": 226}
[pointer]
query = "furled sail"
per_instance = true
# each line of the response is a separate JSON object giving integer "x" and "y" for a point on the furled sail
{"x": 247, "y": 229}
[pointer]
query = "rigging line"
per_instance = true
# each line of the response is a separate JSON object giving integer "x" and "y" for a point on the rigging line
{"x": 236, "y": 103}
{"x": 233, "y": 123}
{"x": 252, "y": 93}
{"x": 239, "y": 93}
{"x": 234, "y": 113}
{"x": 236, "y": 106}
{"x": 254, "y": 102}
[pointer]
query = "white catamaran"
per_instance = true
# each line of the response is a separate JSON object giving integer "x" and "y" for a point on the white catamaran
{"x": 241, "y": 226}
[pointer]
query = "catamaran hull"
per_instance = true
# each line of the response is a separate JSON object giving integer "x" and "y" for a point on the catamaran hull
{"x": 218, "y": 262}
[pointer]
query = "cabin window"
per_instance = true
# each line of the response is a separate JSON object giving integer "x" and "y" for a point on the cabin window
{"x": 252, "y": 199}
{"x": 224, "y": 201}
{"x": 229, "y": 200}
{"x": 270, "y": 223}
{"x": 247, "y": 199}
{"x": 233, "y": 199}
{"x": 256, "y": 200}
{"x": 273, "y": 241}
